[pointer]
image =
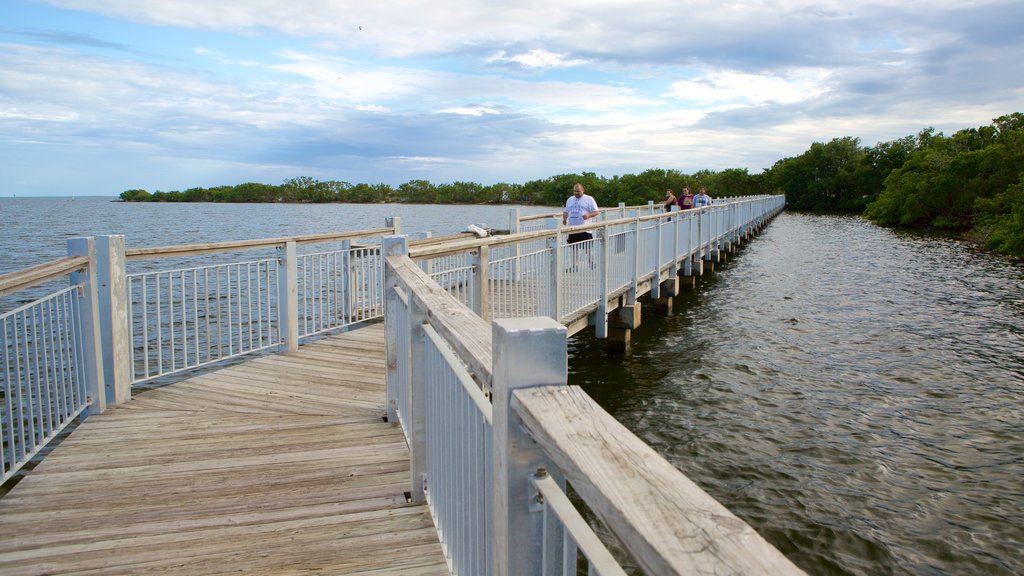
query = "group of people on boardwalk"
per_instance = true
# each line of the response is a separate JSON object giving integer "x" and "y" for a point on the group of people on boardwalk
{"x": 581, "y": 207}
{"x": 687, "y": 199}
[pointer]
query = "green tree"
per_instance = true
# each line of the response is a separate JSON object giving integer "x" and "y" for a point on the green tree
{"x": 135, "y": 195}
{"x": 417, "y": 192}
{"x": 821, "y": 178}
{"x": 1001, "y": 220}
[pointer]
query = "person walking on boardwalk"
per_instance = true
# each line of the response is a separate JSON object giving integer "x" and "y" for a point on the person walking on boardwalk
{"x": 686, "y": 200}
{"x": 578, "y": 209}
{"x": 701, "y": 199}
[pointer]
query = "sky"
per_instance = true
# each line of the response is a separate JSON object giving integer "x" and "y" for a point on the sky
{"x": 102, "y": 96}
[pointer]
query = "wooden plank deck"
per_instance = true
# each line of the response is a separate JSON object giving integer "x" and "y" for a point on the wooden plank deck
{"x": 279, "y": 465}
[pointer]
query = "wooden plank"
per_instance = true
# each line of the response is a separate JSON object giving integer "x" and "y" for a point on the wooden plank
{"x": 28, "y": 277}
{"x": 669, "y": 525}
{"x": 276, "y": 466}
{"x": 212, "y": 247}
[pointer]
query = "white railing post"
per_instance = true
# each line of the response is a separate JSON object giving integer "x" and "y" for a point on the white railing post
{"x": 601, "y": 322}
{"x": 92, "y": 353}
{"x": 349, "y": 289}
{"x": 113, "y": 303}
{"x": 656, "y": 281}
{"x": 395, "y": 223}
{"x": 513, "y": 228}
{"x": 634, "y": 292}
{"x": 557, "y": 270}
{"x": 482, "y": 281}
{"x": 396, "y": 350}
{"x": 675, "y": 241}
{"x": 288, "y": 296}
{"x": 416, "y": 420}
{"x": 539, "y": 343}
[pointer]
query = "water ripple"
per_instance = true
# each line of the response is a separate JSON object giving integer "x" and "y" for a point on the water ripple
{"x": 853, "y": 392}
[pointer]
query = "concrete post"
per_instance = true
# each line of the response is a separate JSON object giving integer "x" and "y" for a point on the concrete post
{"x": 288, "y": 296}
{"x": 113, "y": 303}
{"x": 539, "y": 343}
{"x": 92, "y": 350}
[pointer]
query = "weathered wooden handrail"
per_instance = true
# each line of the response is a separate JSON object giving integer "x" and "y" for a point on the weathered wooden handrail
{"x": 35, "y": 275}
{"x": 668, "y": 523}
{"x": 468, "y": 334}
{"x": 193, "y": 249}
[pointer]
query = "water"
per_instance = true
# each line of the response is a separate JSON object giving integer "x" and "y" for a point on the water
{"x": 853, "y": 393}
{"x": 36, "y": 229}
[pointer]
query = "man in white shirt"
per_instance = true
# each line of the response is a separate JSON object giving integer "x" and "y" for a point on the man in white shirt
{"x": 578, "y": 209}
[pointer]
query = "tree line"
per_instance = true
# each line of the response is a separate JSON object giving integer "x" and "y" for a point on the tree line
{"x": 971, "y": 181}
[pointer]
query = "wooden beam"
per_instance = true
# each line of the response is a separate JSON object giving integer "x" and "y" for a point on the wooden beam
{"x": 468, "y": 334}
{"x": 35, "y": 275}
{"x": 190, "y": 249}
{"x": 668, "y": 523}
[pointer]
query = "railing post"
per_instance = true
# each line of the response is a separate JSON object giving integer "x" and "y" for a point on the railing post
{"x": 481, "y": 287}
{"x": 396, "y": 352}
{"x": 113, "y": 303}
{"x": 395, "y": 223}
{"x": 656, "y": 281}
{"x": 288, "y": 296}
{"x": 513, "y": 228}
{"x": 417, "y": 417}
{"x": 557, "y": 270}
{"x": 92, "y": 354}
{"x": 675, "y": 242}
{"x": 415, "y": 421}
{"x": 349, "y": 289}
{"x": 539, "y": 343}
{"x": 635, "y": 290}
{"x": 601, "y": 322}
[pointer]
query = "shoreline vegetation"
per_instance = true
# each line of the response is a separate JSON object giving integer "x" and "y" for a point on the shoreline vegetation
{"x": 971, "y": 182}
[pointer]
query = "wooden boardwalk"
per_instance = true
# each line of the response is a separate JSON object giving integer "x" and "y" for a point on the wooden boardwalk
{"x": 280, "y": 465}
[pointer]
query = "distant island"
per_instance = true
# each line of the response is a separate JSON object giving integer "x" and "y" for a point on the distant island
{"x": 971, "y": 182}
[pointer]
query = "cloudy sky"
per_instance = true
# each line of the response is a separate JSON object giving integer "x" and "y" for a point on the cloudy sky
{"x": 100, "y": 96}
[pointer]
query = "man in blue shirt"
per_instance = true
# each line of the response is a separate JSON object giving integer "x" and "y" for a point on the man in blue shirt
{"x": 701, "y": 199}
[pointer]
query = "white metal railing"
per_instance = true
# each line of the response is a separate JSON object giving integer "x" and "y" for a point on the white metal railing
{"x": 190, "y": 317}
{"x": 535, "y": 273}
{"x": 44, "y": 383}
{"x": 339, "y": 288}
{"x": 458, "y": 445}
{"x": 68, "y": 353}
{"x": 446, "y": 414}
{"x": 48, "y": 359}
{"x": 496, "y": 436}
{"x": 184, "y": 318}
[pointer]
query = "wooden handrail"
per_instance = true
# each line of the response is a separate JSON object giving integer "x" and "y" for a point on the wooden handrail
{"x": 28, "y": 277}
{"x": 191, "y": 249}
{"x": 668, "y": 523}
{"x": 468, "y": 334}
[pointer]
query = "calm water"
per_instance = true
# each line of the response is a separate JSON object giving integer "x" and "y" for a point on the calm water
{"x": 853, "y": 393}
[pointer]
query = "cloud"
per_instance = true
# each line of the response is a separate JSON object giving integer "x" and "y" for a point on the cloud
{"x": 460, "y": 90}
{"x": 536, "y": 59}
